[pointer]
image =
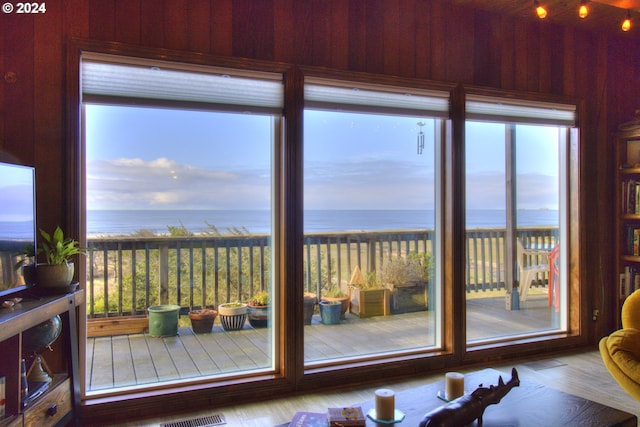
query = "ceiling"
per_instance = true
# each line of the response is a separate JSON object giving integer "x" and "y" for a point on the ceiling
{"x": 604, "y": 15}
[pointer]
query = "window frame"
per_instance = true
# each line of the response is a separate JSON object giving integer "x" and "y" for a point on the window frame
{"x": 320, "y": 92}
{"x": 572, "y": 332}
{"x": 291, "y": 375}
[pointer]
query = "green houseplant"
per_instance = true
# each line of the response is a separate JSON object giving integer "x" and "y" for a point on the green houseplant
{"x": 258, "y": 310}
{"x": 56, "y": 273}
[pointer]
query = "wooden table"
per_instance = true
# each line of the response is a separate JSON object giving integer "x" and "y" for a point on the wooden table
{"x": 530, "y": 404}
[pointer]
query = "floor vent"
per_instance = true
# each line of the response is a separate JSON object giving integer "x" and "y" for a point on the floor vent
{"x": 207, "y": 421}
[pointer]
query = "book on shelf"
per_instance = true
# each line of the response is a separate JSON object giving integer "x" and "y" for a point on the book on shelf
{"x": 631, "y": 196}
{"x": 629, "y": 281}
{"x": 309, "y": 419}
{"x": 346, "y": 417}
{"x": 632, "y": 240}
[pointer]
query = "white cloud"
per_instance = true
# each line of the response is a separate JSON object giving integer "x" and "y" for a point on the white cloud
{"x": 133, "y": 183}
{"x": 363, "y": 183}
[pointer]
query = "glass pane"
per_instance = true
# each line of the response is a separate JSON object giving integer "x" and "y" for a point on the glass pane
{"x": 508, "y": 285}
{"x": 179, "y": 217}
{"x": 369, "y": 234}
{"x": 538, "y": 194}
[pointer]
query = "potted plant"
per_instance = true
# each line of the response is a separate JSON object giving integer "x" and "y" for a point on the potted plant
{"x": 258, "y": 310}
{"x": 309, "y": 303}
{"x": 56, "y": 273}
{"x": 335, "y": 294}
{"x": 202, "y": 320}
{"x": 232, "y": 315}
{"x": 330, "y": 312}
{"x": 406, "y": 278}
{"x": 368, "y": 297}
{"x": 27, "y": 264}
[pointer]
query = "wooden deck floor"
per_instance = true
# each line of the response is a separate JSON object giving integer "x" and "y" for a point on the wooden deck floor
{"x": 138, "y": 359}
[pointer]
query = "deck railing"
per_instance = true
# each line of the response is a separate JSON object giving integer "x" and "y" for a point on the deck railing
{"x": 126, "y": 275}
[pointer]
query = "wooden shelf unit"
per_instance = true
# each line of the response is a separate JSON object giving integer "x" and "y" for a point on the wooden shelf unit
{"x": 627, "y": 214}
{"x": 59, "y": 403}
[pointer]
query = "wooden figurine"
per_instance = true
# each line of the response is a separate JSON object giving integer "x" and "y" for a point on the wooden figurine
{"x": 465, "y": 409}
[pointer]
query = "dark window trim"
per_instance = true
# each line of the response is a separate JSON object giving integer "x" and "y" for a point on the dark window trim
{"x": 294, "y": 378}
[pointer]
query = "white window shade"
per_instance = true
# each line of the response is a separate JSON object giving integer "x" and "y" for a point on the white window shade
{"x": 480, "y": 107}
{"x": 166, "y": 81}
{"x": 355, "y": 96}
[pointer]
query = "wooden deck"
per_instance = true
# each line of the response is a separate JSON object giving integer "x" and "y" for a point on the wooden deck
{"x": 138, "y": 359}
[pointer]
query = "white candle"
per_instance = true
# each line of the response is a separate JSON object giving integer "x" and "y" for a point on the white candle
{"x": 385, "y": 404}
{"x": 454, "y": 385}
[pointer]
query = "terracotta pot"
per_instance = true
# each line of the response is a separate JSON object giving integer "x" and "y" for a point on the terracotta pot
{"x": 202, "y": 320}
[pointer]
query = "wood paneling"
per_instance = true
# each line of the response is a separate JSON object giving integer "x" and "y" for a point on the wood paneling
{"x": 422, "y": 42}
{"x": 48, "y": 128}
{"x": 439, "y": 49}
{"x": 127, "y": 21}
{"x": 18, "y": 87}
{"x": 221, "y": 27}
{"x": 198, "y": 23}
{"x": 152, "y": 23}
{"x": 253, "y": 29}
{"x": 176, "y": 24}
{"x": 376, "y": 12}
{"x": 486, "y": 60}
{"x": 357, "y": 35}
{"x": 102, "y": 19}
{"x": 75, "y": 18}
{"x": 339, "y": 35}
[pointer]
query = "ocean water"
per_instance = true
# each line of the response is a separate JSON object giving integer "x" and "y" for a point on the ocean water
{"x": 120, "y": 222}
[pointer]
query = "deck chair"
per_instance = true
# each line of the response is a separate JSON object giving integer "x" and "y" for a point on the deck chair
{"x": 554, "y": 278}
{"x": 530, "y": 263}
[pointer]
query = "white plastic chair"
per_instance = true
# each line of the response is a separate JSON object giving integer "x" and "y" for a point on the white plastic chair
{"x": 528, "y": 270}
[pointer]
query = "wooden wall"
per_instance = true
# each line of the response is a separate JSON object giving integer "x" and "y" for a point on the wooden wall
{"x": 429, "y": 39}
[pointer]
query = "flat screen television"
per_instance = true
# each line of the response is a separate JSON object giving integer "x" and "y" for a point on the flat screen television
{"x": 17, "y": 222}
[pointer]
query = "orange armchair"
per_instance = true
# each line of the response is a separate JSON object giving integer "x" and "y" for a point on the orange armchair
{"x": 620, "y": 351}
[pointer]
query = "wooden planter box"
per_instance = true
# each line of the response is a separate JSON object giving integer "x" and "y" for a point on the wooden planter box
{"x": 117, "y": 326}
{"x": 409, "y": 298}
{"x": 368, "y": 302}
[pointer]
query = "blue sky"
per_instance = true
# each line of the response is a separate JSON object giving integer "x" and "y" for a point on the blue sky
{"x": 141, "y": 158}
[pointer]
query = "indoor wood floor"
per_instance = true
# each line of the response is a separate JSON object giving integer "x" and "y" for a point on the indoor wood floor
{"x": 582, "y": 374}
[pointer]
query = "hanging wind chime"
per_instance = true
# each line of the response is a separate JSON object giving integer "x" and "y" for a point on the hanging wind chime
{"x": 420, "y": 138}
